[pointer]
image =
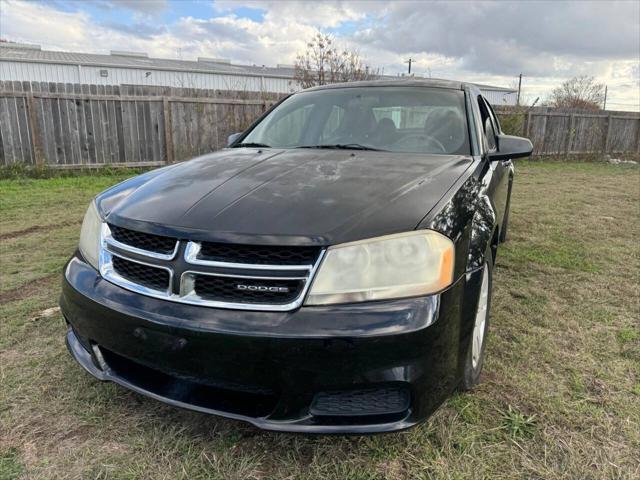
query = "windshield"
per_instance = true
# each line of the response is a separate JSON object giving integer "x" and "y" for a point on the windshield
{"x": 394, "y": 119}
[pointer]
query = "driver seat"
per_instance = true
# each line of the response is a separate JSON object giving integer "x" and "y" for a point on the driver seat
{"x": 446, "y": 126}
{"x": 385, "y": 133}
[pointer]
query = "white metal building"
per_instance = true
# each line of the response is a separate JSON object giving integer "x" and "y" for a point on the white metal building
{"x": 30, "y": 63}
{"x": 20, "y": 62}
{"x": 499, "y": 95}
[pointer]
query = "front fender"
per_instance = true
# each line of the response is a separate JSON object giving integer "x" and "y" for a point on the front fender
{"x": 483, "y": 228}
{"x": 469, "y": 219}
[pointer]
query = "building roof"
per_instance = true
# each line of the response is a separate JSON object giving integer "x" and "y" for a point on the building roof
{"x": 18, "y": 52}
{"x": 26, "y": 53}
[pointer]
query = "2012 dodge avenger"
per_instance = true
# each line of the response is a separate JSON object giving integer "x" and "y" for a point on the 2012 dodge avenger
{"x": 330, "y": 271}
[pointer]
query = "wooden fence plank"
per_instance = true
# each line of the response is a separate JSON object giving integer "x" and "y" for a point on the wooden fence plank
{"x": 119, "y": 126}
{"x": 19, "y": 127}
{"x": 45, "y": 119}
{"x": 168, "y": 129}
{"x": 60, "y": 128}
{"x": 35, "y": 130}
{"x": 607, "y": 133}
{"x": 96, "y": 116}
{"x": 8, "y": 139}
{"x": 74, "y": 127}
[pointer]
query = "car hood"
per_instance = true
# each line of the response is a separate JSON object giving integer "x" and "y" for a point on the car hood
{"x": 290, "y": 196}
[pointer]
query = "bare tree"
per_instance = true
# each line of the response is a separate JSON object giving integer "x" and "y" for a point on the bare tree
{"x": 579, "y": 92}
{"x": 322, "y": 62}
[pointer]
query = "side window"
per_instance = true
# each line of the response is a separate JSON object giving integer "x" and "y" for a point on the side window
{"x": 494, "y": 117}
{"x": 487, "y": 125}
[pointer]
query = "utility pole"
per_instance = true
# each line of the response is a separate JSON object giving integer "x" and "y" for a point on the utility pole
{"x": 604, "y": 107}
{"x": 409, "y": 62}
{"x": 519, "y": 88}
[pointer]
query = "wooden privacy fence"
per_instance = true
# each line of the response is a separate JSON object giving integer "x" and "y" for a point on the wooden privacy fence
{"x": 71, "y": 125}
{"x": 555, "y": 132}
{"x": 67, "y": 125}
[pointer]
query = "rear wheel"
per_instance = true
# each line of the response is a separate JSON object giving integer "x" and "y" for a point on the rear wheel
{"x": 477, "y": 347}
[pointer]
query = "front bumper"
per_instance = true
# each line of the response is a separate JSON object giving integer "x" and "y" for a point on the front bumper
{"x": 383, "y": 366}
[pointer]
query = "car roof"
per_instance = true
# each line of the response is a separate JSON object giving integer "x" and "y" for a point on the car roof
{"x": 399, "y": 82}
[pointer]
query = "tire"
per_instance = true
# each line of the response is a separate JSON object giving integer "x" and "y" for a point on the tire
{"x": 478, "y": 342}
{"x": 505, "y": 220}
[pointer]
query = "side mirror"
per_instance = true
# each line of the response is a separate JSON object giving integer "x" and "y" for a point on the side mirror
{"x": 232, "y": 138}
{"x": 511, "y": 147}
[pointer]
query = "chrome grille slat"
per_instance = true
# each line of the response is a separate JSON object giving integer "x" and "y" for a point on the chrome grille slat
{"x": 195, "y": 285}
{"x": 258, "y": 254}
{"x": 153, "y": 245}
{"x": 110, "y": 240}
{"x": 146, "y": 275}
{"x": 192, "y": 255}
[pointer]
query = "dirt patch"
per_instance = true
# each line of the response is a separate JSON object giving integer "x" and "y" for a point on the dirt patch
{"x": 37, "y": 228}
{"x": 24, "y": 291}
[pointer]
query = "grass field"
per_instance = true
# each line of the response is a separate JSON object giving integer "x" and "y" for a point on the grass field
{"x": 560, "y": 396}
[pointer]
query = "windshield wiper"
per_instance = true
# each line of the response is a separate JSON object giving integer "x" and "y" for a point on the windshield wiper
{"x": 252, "y": 144}
{"x": 344, "y": 146}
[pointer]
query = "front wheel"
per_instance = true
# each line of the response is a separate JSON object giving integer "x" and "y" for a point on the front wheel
{"x": 477, "y": 347}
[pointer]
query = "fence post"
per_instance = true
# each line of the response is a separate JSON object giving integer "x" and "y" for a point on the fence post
{"x": 168, "y": 128}
{"x": 527, "y": 124}
{"x": 607, "y": 129}
{"x": 36, "y": 138}
{"x": 572, "y": 123}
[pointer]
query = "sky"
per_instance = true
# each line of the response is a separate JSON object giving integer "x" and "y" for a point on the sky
{"x": 485, "y": 41}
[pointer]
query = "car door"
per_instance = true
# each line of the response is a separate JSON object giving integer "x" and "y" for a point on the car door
{"x": 498, "y": 170}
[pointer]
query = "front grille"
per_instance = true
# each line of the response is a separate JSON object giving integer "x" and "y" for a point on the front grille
{"x": 250, "y": 277}
{"x": 143, "y": 241}
{"x": 247, "y": 290}
{"x": 145, "y": 275}
{"x": 386, "y": 400}
{"x": 259, "y": 254}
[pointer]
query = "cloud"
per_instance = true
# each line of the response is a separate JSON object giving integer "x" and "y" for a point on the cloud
{"x": 264, "y": 43}
{"x": 508, "y": 37}
{"x": 75, "y": 31}
{"x": 325, "y": 14}
{"x": 489, "y": 42}
{"x": 138, "y": 29}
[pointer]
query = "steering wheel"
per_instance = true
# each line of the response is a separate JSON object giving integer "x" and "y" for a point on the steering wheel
{"x": 421, "y": 136}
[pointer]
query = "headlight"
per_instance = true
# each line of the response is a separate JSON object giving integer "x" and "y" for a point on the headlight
{"x": 394, "y": 266}
{"x": 90, "y": 236}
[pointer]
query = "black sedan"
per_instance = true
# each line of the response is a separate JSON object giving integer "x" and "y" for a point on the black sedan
{"x": 328, "y": 272}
